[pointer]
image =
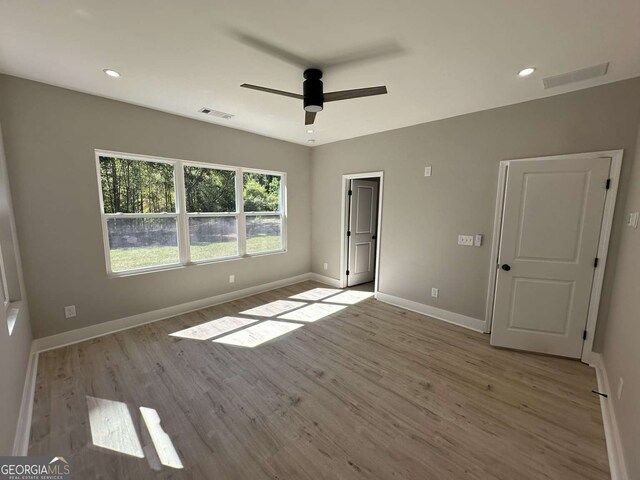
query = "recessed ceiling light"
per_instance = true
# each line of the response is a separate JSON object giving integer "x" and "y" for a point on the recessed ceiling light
{"x": 525, "y": 72}
{"x": 311, "y": 140}
{"x": 309, "y": 131}
{"x": 111, "y": 73}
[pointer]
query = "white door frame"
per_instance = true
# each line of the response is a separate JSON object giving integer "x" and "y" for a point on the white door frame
{"x": 344, "y": 225}
{"x": 603, "y": 243}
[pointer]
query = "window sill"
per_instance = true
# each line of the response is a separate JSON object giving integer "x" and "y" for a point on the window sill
{"x": 164, "y": 268}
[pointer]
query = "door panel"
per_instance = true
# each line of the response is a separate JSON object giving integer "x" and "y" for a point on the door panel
{"x": 363, "y": 226}
{"x": 552, "y": 203}
{"x": 552, "y": 215}
{"x": 364, "y": 211}
{"x": 550, "y": 316}
{"x": 363, "y": 258}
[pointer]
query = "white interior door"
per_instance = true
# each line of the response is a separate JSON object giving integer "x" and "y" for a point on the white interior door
{"x": 363, "y": 225}
{"x": 552, "y": 217}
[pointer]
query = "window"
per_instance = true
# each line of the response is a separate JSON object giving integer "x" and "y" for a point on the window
{"x": 263, "y": 212}
{"x": 211, "y": 209}
{"x": 159, "y": 213}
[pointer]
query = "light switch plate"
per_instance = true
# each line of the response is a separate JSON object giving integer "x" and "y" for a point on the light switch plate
{"x": 632, "y": 220}
{"x": 427, "y": 171}
{"x": 466, "y": 240}
{"x": 477, "y": 241}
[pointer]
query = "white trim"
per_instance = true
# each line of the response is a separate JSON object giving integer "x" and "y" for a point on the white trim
{"x": 23, "y": 428}
{"x": 438, "y": 313}
{"x": 106, "y": 328}
{"x": 495, "y": 244}
{"x": 182, "y": 222}
{"x": 333, "y": 282}
{"x": 603, "y": 245}
{"x": 343, "y": 228}
{"x": 612, "y": 434}
{"x": 603, "y": 250}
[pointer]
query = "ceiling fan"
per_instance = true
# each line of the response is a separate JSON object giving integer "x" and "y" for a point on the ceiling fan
{"x": 313, "y": 97}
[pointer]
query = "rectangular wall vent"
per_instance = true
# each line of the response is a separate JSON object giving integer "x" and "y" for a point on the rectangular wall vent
{"x": 216, "y": 113}
{"x": 576, "y": 76}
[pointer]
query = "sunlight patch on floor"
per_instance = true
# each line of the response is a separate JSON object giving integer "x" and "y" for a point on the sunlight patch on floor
{"x": 350, "y": 297}
{"x": 112, "y": 427}
{"x": 273, "y": 309}
{"x": 213, "y": 328}
{"x": 312, "y": 312}
{"x": 161, "y": 441}
{"x": 316, "y": 294}
{"x": 258, "y": 334}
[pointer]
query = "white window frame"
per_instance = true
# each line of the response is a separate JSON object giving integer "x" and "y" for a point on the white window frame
{"x": 187, "y": 215}
{"x": 182, "y": 216}
{"x": 281, "y": 210}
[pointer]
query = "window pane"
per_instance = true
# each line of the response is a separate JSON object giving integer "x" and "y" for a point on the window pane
{"x": 213, "y": 238}
{"x": 209, "y": 190}
{"x": 134, "y": 186}
{"x": 264, "y": 233}
{"x": 142, "y": 242}
{"x": 261, "y": 192}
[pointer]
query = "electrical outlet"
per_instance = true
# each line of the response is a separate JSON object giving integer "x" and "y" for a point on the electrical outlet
{"x": 70, "y": 311}
{"x": 466, "y": 240}
{"x": 434, "y": 292}
{"x": 477, "y": 241}
{"x": 232, "y": 279}
{"x": 427, "y": 171}
{"x": 632, "y": 220}
{"x": 620, "y": 387}
{"x": 325, "y": 266}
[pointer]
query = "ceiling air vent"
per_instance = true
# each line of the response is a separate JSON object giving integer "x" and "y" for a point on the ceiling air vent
{"x": 576, "y": 76}
{"x": 216, "y": 113}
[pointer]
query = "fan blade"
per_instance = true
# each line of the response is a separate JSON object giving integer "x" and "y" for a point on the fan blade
{"x": 365, "y": 54}
{"x": 357, "y": 93}
{"x": 309, "y": 118}
{"x": 271, "y": 49}
{"x": 271, "y": 90}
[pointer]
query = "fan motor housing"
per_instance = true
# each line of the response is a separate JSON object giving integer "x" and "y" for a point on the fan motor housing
{"x": 312, "y": 90}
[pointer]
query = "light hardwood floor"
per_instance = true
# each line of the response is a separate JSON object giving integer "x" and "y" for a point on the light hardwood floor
{"x": 368, "y": 392}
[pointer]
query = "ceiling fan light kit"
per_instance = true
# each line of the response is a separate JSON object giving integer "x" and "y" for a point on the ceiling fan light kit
{"x": 312, "y": 90}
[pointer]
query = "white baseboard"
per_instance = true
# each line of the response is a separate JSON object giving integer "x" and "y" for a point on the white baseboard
{"x": 444, "y": 315}
{"x": 23, "y": 429}
{"x": 612, "y": 434}
{"x": 326, "y": 280}
{"x": 81, "y": 334}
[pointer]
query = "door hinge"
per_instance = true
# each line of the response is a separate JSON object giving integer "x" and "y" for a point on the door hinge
{"x": 347, "y": 272}
{"x": 584, "y": 335}
{"x": 350, "y": 192}
{"x": 348, "y": 234}
{"x": 595, "y": 263}
{"x": 608, "y": 184}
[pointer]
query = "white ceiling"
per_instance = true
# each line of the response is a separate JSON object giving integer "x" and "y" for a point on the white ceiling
{"x": 179, "y": 56}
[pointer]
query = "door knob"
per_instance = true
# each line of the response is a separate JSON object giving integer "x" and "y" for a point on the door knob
{"x": 506, "y": 267}
{"x": 373, "y": 237}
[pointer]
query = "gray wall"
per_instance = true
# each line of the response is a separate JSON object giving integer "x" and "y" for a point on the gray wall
{"x": 621, "y": 352}
{"x": 422, "y": 216}
{"x": 14, "y": 348}
{"x": 50, "y": 135}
